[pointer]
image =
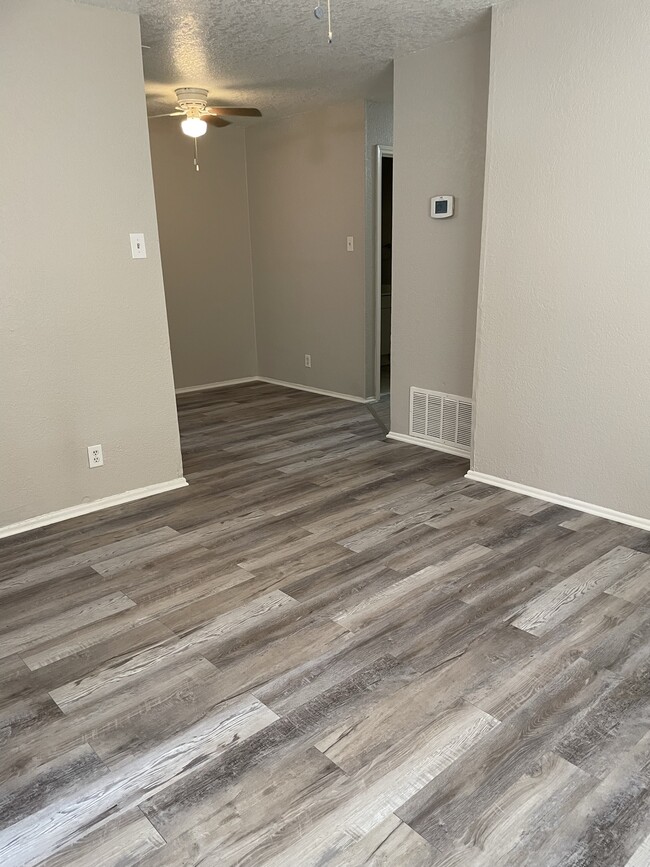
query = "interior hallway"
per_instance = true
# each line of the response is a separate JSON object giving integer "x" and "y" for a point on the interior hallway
{"x": 328, "y": 649}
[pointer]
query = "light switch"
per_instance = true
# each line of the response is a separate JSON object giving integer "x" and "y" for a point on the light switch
{"x": 138, "y": 250}
{"x": 350, "y": 243}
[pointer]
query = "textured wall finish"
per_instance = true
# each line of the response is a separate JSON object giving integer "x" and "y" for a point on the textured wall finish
{"x": 307, "y": 194}
{"x": 440, "y": 124}
{"x": 563, "y": 353}
{"x": 275, "y": 55}
{"x": 206, "y": 254}
{"x": 84, "y": 350}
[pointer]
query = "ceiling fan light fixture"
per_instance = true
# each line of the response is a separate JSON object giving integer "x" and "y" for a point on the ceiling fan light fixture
{"x": 194, "y": 126}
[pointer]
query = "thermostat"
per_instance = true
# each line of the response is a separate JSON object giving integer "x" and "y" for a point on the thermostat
{"x": 442, "y": 207}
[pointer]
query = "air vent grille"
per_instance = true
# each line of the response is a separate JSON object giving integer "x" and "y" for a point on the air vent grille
{"x": 443, "y": 419}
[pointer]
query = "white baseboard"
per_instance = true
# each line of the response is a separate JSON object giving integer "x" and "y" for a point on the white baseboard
{"x": 208, "y": 386}
{"x": 560, "y": 500}
{"x": 86, "y": 508}
{"x": 425, "y": 444}
{"x": 300, "y": 387}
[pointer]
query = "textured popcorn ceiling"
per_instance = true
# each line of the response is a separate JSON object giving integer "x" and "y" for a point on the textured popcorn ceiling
{"x": 273, "y": 54}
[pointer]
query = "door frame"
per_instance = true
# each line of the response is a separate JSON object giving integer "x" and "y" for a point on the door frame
{"x": 381, "y": 151}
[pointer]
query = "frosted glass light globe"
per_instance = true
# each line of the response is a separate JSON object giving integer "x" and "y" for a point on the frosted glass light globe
{"x": 194, "y": 126}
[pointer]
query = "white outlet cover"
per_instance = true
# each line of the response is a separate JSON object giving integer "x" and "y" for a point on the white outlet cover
{"x": 95, "y": 456}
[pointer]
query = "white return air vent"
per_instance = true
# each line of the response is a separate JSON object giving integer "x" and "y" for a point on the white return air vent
{"x": 443, "y": 420}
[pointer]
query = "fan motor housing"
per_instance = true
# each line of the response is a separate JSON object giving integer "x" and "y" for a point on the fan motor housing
{"x": 192, "y": 100}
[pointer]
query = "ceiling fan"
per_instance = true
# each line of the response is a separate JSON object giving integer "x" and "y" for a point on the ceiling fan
{"x": 193, "y": 103}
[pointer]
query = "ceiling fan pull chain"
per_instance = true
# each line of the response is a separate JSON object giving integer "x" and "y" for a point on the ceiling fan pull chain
{"x": 319, "y": 12}
{"x": 196, "y": 154}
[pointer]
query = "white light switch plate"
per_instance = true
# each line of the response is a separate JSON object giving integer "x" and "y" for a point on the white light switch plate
{"x": 350, "y": 243}
{"x": 138, "y": 250}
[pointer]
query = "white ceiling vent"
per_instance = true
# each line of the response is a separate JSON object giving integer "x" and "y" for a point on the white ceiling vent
{"x": 443, "y": 420}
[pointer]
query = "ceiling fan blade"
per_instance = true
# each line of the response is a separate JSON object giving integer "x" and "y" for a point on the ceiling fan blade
{"x": 214, "y": 120}
{"x": 237, "y": 112}
{"x": 169, "y": 114}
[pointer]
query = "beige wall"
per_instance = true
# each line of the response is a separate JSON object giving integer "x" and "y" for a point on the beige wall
{"x": 306, "y": 195}
{"x": 563, "y": 361}
{"x": 84, "y": 351}
{"x": 206, "y": 254}
{"x": 440, "y": 122}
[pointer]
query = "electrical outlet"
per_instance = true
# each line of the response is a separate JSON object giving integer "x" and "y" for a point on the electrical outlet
{"x": 307, "y": 360}
{"x": 95, "y": 456}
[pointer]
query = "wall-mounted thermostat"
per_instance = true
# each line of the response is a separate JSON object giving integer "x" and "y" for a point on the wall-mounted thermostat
{"x": 442, "y": 207}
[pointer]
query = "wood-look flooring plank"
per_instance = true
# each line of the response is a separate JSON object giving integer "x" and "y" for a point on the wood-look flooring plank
{"x": 21, "y": 639}
{"x": 634, "y": 586}
{"x": 69, "y": 656}
{"x": 529, "y": 506}
{"x": 519, "y": 825}
{"x": 391, "y": 842}
{"x": 503, "y": 693}
{"x": 622, "y": 641}
{"x": 240, "y": 815}
{"x": 43, "y": 784}
{"x": 421, "y": 495}
{"x": 127, "y": 673}
{"x": 32, "y": 718}
{"x": 56, "y": 826}
{"x": 16, "y": 680}
{"x": 616, "y": 722}
{"x": 244, "y": 605}
{"x": 321, "y": 672}
{"x": 444, "y": 626}
{"x": 188, "y": 802}
{"x": 188, "y": 696}
{"x": 368, "y": 799}
{"x": 335, "y": 583}
{"x": 346, "y": 809}
{"x": 50, "y": 570}
{"x": 581, "y": 549}
{"x": 125, "y": 562}
{"x": 383, "y": 531}
{"x": 557, "y": 603}
{"x": 124, "y": 840}
{"x": 80, "y": 586}
{"x": 467, "y": 509}
{"x": 337, "y": 650}
{"x": 368, "y": 612}
{"x": 129, "y": 723}
{"x": 251, "y": 665}
{"x": 363, "y": 742}
{"x": 612, "y": 821}
{"x": 641, "y": 856}
{"x": 478, "y": 778}
{"x": 168, "y": 591}
{"x": 335, "y": 515}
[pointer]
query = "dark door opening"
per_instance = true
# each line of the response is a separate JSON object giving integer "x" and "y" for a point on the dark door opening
{"x": 386, "y": 282}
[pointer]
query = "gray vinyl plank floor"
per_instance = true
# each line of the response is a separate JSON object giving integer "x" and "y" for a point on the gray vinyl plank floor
{"x": 329, "y": 649}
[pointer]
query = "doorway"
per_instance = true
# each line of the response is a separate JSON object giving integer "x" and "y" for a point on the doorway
{"x": 383, "y": 271}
